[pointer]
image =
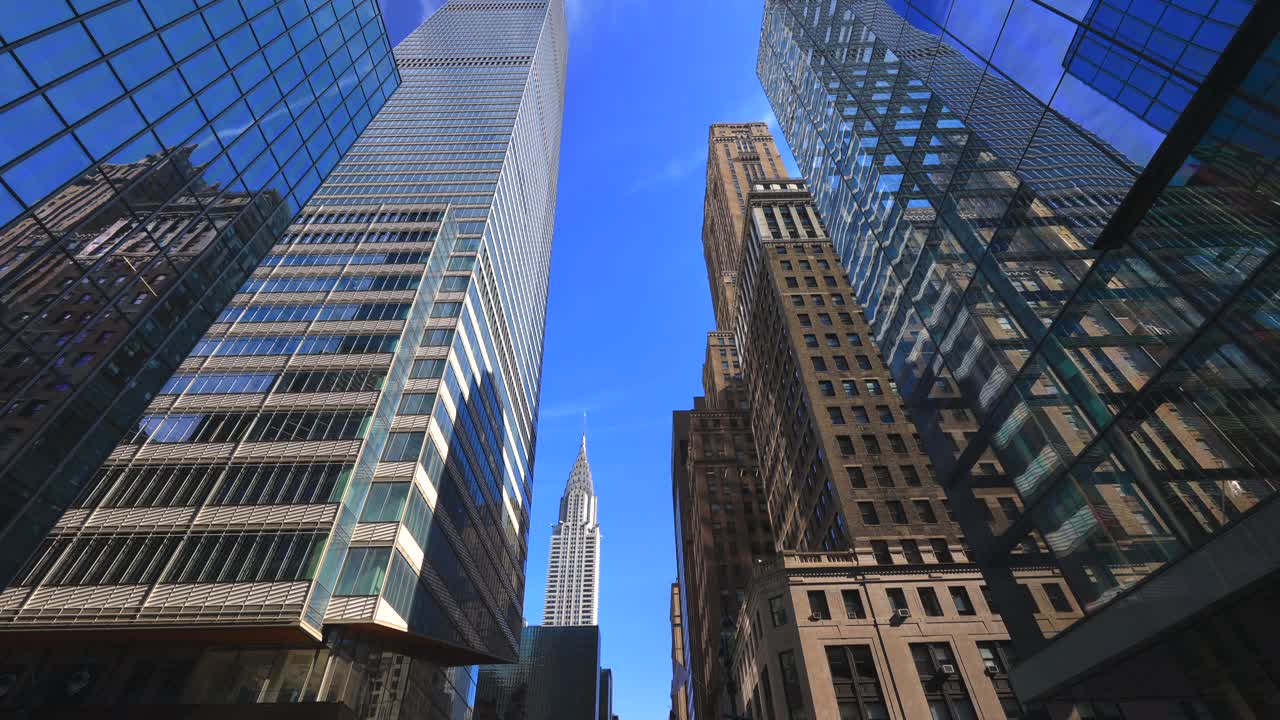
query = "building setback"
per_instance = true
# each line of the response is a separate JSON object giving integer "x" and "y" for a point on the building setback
{"x": 154, "y": 153}
{"x": 573, "y": 573}
{"x": 1088, "y": 281}
{"x": 328, "y": 503}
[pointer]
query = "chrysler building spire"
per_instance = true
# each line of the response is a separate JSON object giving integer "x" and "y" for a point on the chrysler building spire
{"x": 573, "y": 574}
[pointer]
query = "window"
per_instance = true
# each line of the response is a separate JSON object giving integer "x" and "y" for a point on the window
{"x": 810, "y": 340}
{"x": 416, "y": 404}
{"x": 426, "y": 369}
{"x": 872, "y": 444}
{"x": 791, "y": 282}
{"x": 854, "y": 339}
{"x": 846, "y": 444}
{"x": 860, "y": 415}
{"x": 856, "y": 478}
{"x": 988, "y": 598}
{"x": 818, "y": 609}
{"x": 385, "y": 502}
{"x": 885, "y": 414}
{"x": 960, "y": 597}
{"x": 791, "y": 682}
{"x": 929, "y": 601}
{"x": 883, "y": 478}
{"x": 944, "y": 687}
{"x": 826, "y": 388}
{"x": 853, "y": 607}
{"x": 403, "y": 446}
{"x": 363, "y": 572}
{"x": 810, "y": 281}
{"x": 824, "y": 319}
{"x": 804, "y": 320}
{"x": 832, "y": 339}
{"x": 911, "y": 551}
{"x": 940, "y": 550}
{"x": 997, "y": 657}
{"x": 777, "y": 611}
{"x": 797, "y": 300}
{"x": 842, "y": 363}
{"x": 1057, "y": 598}
{"x": 911, "y": 475}
{"x": 819, "y": 364}
{"x": 868, "y": 512}
{"x": 897, "y": 599}
{"x": 855, "y": 682}
{"x": 897, "y": 512}
{"x": 850, "y": 388}
{"x": 864, "y": 362}
{"x": 897, "y": 444}
{"x": 846, "y": 318}
{"x": 873, "y": 387}
{"x": 925, "y": 510}
{"x": 437, "y": 338}
{"x": 837, "y": 417}
{"x": 880, "y": 551}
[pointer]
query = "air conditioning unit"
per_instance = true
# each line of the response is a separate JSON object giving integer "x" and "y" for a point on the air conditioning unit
{"x": 947, "y": 669}
{"x": 902, "y": 613}
{"x": 992, "y": 668}
{"x": 815, "y": 617}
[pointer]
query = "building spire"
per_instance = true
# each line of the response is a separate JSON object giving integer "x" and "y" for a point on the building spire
{"x": 580, "y": 476}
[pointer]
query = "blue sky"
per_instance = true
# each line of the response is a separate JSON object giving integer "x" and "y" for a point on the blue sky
{"x": 629, "y": 307}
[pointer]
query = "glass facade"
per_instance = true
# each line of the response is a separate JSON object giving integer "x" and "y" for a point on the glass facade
{"x": 557, "y": 677}
{"x": 347, "y": 452}
{"x": 976, "y": 179}
{"x": 151, "y": 151}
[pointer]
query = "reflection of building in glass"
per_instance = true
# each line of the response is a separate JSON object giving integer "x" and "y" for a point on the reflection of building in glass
{"x": 152, "y": 157}
{"x": 1137, "y": 54}
{"x": 1107, "y": 334}
{"x": 328, "y": 502}
{"x": 573, "y": 573}
{"x": 556, "y": 678}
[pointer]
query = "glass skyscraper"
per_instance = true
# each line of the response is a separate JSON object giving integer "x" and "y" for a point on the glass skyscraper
{"x": 151, "y": 152}
{"x": 328, "y": 502}
{"x": 1090, "y": 276}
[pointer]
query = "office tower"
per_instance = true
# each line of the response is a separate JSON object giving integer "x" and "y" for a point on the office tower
{"x": 862, "y": 524}
{"x": 153, "y": 153}
{"x": 737, "y": 153}
{"x": 717, "y": 497}
{"x": 330, "y": 497}
{"x": 573, "y": 574}
{"x": 606, "y": 695}
{"x": 721, "y": 522}
{"x": 556, "y": 678}
{"x": 680, "y": 695}
{"x": 1091, "y": 288}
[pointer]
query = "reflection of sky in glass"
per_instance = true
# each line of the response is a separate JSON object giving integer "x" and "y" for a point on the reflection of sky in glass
{"x": 1036, "y": 43}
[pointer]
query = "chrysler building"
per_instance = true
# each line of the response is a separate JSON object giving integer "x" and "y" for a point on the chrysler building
{"x": 573, "y": 579}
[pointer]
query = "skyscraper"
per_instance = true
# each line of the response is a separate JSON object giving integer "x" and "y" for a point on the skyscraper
{"x": 329, "y": 502}
{"x": 556, "y": 678}
{"x": 153, "y": 153}
{"x": 737, "y": 153}
{"x": 573, "y": 574}
{"x": 717, "y": 496}
{"x": 1089, "y": 288}
{"x": 861, "y": 523}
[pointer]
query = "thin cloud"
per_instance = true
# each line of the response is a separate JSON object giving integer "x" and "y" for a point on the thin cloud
{"x": 675, "y": 169}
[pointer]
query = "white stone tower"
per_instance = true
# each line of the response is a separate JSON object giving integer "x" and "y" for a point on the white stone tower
{"x": 573, "y": 576}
